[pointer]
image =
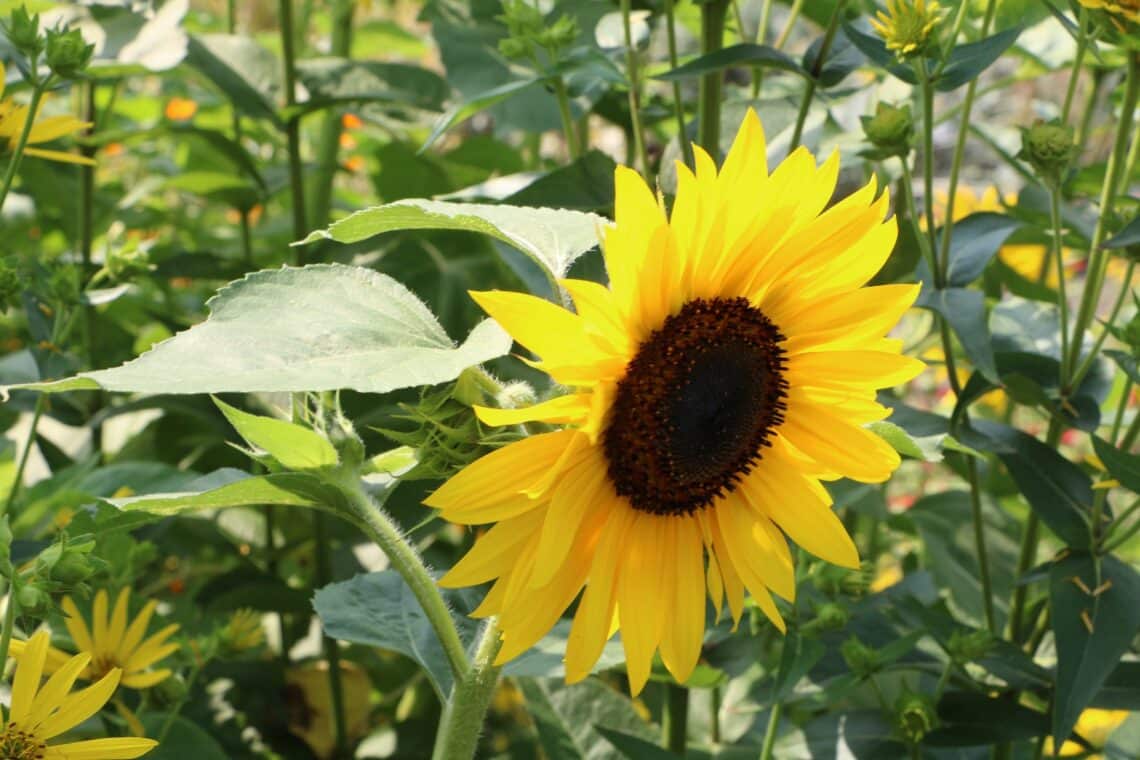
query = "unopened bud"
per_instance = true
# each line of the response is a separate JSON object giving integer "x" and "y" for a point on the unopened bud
{"x": 861, "y": 659}
{"x": 23, "y": 30}
{"x": 1049, "y": 147}
{"x": 890, "y": 130}
{"x": 829, "y": 617}
{"x": 915, "y": 716}
{"x": 967, "y": 646}
{"x": 33, "y": 601}
{"x": 67, "y": 53}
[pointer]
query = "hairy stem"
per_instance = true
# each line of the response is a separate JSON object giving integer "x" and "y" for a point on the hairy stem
{"x": 462, "y": 720}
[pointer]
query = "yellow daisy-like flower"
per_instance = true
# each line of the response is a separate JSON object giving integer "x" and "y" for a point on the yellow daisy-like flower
{"x": 113, "y": 644}
{"x": 1130, "y": 9}
{"x": 731, "y": 364}
{"x": 907, "y": 25}
{"x": 1094, "y": 725}
{"x": 38, "y": 715}
{"x": 13, "y": 117}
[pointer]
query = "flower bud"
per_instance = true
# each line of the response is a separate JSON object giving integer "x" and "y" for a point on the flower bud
{"x": 72, "y": 568}
{"x": 861, "y": 659}
{"x": 169, "y": 691}
{"x": 67, "y": 53}
{"x": 1049, "y": 147}
{"x": 33, "y": 601}
{"x": 890, "y": 130}
{"x": 831, "y": 616}
{"x": 915, "y": 716}
{"x": 967, "y": 646}
{"x": 23, "y": 32}
{"x": 909, "y": 27}
{"x": 241, "y": 632}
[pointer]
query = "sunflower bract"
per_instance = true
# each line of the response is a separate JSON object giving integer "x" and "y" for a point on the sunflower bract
{"x": 730, "y": 366}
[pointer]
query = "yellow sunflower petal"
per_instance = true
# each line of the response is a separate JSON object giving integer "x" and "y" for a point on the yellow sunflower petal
{"x": 580, "y": 500}
{"x": 494, "y": 552}
{"x": 101, "y": 749}
{"x": 79, "y": 706}
{"x": 838, "y": 445}
{"x": 563, "y": 410}
{"x": 593, "y": 620}
{"x": 77, "y": 626}
{"x": 642, "y": 609}
{"x": 684, "y": 631}
{"x": 27, "y": 680}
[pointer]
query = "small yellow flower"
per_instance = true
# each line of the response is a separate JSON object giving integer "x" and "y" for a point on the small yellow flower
{"x": 112, "y": 644}
{"x": 13, "y": 117}
{"x": 1095, "y": 726}
{"x": 38, "y": 715}
{"x": 1130, "y": 9}
{"x": 907, "y": 25}
{"x": 243, "y": 631}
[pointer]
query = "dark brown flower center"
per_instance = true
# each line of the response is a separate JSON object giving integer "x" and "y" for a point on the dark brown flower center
{"x": 16, "y": 744}
{"x": 696, "y": 407}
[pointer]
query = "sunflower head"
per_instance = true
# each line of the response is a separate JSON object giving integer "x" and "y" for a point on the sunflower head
{"x": 908, "y": 26}
{"x": 730, "y": 365}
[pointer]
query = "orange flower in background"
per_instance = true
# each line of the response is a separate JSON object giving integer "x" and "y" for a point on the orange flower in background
{"x": 351, "y": 121}
{"x": 354, "y": 164}
{"x": 180, "y": 109}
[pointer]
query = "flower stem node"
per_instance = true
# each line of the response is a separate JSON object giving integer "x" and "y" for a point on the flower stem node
{"x": 1049, "y": 147}
{"x": 890, "y": 131}
{"x": 862, "y": 660}
{"x": 908, "y": 27}
{"x": 915, "y": 716}
{"x": 68, "y": 54}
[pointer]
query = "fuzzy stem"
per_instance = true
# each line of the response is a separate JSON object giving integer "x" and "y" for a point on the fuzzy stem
{"x": 462, "y": 719}
{"x": 709, "y": 95}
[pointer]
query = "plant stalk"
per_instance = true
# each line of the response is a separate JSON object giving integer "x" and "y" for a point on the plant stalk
{"x": 678, "y": 101}
{"x": 458, "y": 734}
{"x": 675, "y": 718}
{"x": 980, "y": 544}
{"x": 771, "y": 730}
{"x": 816, "y": 70}
{"x": 328, "y": 143}
{"x": 1059, "y": 259}
{"x": 632, "y": 73}
{"x": 329, "y": 645}
{"x": 293, "y": 129}
{"x": 38, "y": 90}
{"x": 573, "y": 142}
{"x": 713, "y": 15}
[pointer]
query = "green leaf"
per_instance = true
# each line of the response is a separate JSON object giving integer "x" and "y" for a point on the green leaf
{"x": 473, "y": 105}
{"x": 1127, "y": 237}
{"x": 967, "y": 61}
{"x": 1094, "y": 621}
{"x": 634, "y": 747}
{"x": 945, "y": 524}
{"x": 242, "y": 69}
{"x": 1127, "y": 363}
{"x": 972, "y": 720}
{"x": 587, "y": 184}
{"x": 1121, "y": 465}
{"x": 379, "y": 610}
{"x": 872, "y": 46}
{"x": 965, "y": 310}
{"x": 568, "y": 717}
{"x": 321, "y": 327}
{"x": 331, "y": 81}
{"x": 927, "y": 449}
{"x": 294, "y": 446}
{"x": 1121, "y": 690}
{"x": 744, "y": 54}
{"x": 1057, "y": 490}
{"x": 977, "y": 238}
{"x": 185, "y": 739}
{"x": 233, "y": 488}
{"x": 554, "y": 238}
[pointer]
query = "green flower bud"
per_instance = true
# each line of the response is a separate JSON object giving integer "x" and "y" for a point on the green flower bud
{"x": 127, "y": 260}
{"x": 834, "y": 580}
{"x": 890, "y": 130}
{"x": 861, "y": 659}
{"x": 831, "y": 616}
{"x": 33, "y": 601}
{"x": 967, "y": 646}
{"x": 169, "y": 691}
{"x": 67, "y": 53}
{"x": 1049, "y": 147}
{"x": 72, "y": 568}
{"x": 516, "y": 395}
{"x": 23, "y": 32}
{"x": 915, "y": 716}
{"x": 514, "y": 48}
{"x": 559, "y": 35}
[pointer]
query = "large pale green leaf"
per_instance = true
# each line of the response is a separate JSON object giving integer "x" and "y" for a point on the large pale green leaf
{"x": 552, "y": 237}
{"x": 321, "y": 327}
{"x": 568, "y": 718}
{"x": 378, "y": 609}
{"x": 1095, "y": 617}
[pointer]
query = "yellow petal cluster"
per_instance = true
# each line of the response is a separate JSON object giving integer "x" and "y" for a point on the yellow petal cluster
{"x": 1129, "y": 9}
{"x": 14, "y": 116}
{"x": 907, "y": 25}
{"x": 40, "y": 713}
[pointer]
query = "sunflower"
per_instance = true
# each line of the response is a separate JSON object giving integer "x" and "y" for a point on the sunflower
{"x": 731, "y": 365}
{"x": 1129, "y": 9}
{"x": 38, "y": 715}
{"x": 907, "y": 26}
{"x": 112, "y": 643}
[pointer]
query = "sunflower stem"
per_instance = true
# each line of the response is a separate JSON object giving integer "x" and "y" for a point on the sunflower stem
{"x": 1094, "y": 279}
{"x": 980, "y": 544}
{"x": 9, "y": 619}
{"x": 943, "y": 256}
{"x": 1059, "y": 260}
{"x": 912, "y": 215}
{"x": 816, "y": 70}
{"x": 1090, "y": 359}
{"x": 713, "y": 15}
{"x": 328, "y": 143}
{"x": 761, "y": 38}
{"x": 573, "y": 143}
{"x": 462, "y": 720}
{"x": 771, "y": 730}
{"x": 293, "y": 128}
{"x": 793, "y": 16}
{"x": 678, "y": 101}
{"x": 38, "y": 90}
{"x": 631, "y": 72}
{"x": 675, "y": 718}
{"x": 329, "y": 644}
{"x": 406, "y": 561}
{"x": 959, "y": 153}
{"x": 1078, "y": 62}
